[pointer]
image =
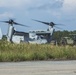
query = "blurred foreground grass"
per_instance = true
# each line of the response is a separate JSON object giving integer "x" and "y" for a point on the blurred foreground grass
{"x": 28, "y": 52}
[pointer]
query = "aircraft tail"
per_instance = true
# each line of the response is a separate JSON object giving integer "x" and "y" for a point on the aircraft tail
{"x": 0, "y": 34}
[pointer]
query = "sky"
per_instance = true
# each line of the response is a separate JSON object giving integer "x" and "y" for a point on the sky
{"x": 23, "y": 11}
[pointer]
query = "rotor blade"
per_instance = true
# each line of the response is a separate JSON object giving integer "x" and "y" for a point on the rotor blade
{"x": 20, "y": 24}
{"x": 42, "y": 22}
{"x": 5, "y": 21}
{"x": 58, "y": 24}
{"x": 57, "y": 27}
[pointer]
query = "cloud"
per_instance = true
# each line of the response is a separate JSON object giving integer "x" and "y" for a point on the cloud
{"x": 6, "y": 14}
{"x": 66, "y": 5}
{"x": 69, "y": 6}
{"x": 13, "y": 3}
{"x": 67, "y": 9}
{"x": 32, "y": 4}
{"x": 51, "y": 7}
{"x": 50, "y": 4}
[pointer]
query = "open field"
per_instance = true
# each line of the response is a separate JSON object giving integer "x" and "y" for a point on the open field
{"x": 38, "y": 68}
{"x": 29, "y": 52}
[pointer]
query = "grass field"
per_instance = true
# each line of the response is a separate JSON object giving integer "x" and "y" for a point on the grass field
{"x": 28, "y": 52}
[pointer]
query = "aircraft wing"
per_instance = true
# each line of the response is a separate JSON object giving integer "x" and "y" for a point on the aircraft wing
{"x": 42, "y": 32}
{"x": 21, "y": 33}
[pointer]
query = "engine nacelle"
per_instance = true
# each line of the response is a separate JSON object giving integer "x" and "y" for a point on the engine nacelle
{"x": 10, "y": 33}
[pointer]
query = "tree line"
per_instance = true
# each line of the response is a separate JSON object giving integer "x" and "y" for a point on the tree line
{"x": 60, "y": 34}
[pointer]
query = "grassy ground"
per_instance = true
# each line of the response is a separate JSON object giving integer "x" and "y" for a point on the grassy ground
{"x": 28, "y": 52}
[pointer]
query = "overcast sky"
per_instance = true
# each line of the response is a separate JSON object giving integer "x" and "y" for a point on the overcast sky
{"x": 22, "y": 11}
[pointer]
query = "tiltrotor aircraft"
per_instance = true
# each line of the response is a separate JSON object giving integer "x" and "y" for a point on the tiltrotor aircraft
{"x": 38, "y": 37}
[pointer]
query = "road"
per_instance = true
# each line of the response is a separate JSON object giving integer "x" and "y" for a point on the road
{"x": 38, "y": 68}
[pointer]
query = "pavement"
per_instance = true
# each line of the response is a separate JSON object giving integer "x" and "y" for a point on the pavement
{"x": 38, "y": 68}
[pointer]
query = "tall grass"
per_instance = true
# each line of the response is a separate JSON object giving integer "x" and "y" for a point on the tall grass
{"x": 28, "y": 52}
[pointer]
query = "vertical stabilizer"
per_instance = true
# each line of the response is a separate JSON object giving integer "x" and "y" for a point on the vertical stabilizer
{"x": 0, "y": 34}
